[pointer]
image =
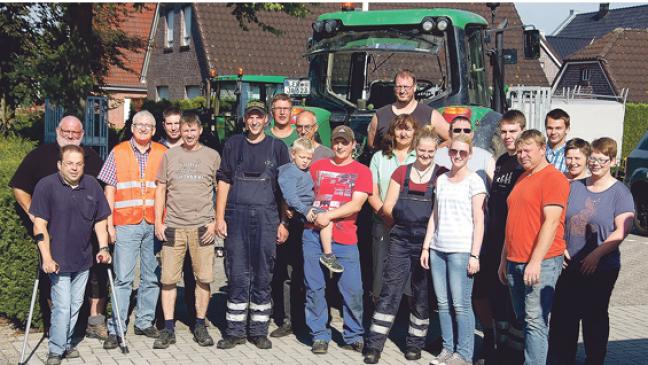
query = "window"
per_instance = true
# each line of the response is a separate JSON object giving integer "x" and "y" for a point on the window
{"x": 168, "y": 29}
{"x": 162, "y": 92}
{"x": 477, "y": 84}
{"x": 192, "y": 91}
{"x": 585, "y": 74}
{"x": 185, "y": 27}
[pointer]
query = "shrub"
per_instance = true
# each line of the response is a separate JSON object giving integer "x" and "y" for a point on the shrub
{"x": 635, "y": 124}
{"x": 18, "y": 258}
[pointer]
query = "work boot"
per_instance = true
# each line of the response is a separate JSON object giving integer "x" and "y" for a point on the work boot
{"x": 331, "y": 263}
{"x": 112, "y": 342}
{"x": 164, "y": 340}
{"x": 99, "y": 331}
{"x": 150, "y": 332}
{"x": 413, "y": 353}
{"x": 202, "y": 337}
{"x": 261, "y": 342}
{"x": 284, "y": 330}
{"x": 229, "y": 342}
{"x": 372, "y": 356}
{"x": 319, "y": 347}
{"x": 71, "y": 353}
{"x": 356, "y": 346}
{"x": 53, "y": 359}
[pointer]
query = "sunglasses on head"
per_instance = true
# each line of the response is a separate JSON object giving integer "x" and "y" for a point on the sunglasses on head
{"x": 462, "y": 153}
{"x": 459, "y": 130}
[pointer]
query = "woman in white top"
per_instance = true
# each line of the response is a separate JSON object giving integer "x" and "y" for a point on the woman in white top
{"x": 451, "y": 248}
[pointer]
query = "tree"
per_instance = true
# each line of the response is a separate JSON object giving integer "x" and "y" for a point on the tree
{"x": 246, "y": 13}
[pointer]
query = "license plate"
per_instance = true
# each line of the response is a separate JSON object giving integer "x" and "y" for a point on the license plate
{"x": 297, "y": 87}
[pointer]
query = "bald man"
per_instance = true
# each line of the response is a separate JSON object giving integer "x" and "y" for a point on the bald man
{"x": 37, "y": 164}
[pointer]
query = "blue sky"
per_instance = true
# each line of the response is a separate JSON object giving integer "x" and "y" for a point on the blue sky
{"x": 547, "y": 16}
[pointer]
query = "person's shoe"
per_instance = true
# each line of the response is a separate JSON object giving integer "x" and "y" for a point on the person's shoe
{"x": 413, "y": 353}
{"x": 202, "y": 337}
{"x": 229, "y": 342}
{"x": 111, "y": 342}
{"x": 284, "y": 330}
{"x": 261, "y": 342}
{"x": 71, "y": 353}
{"x": 53, "y": 359}
{"x": 150, "y": 332}
{"x": 441, "y": 358}
{"x": 371, "y": 356}
{"x": 99, "y": 331}
{"x": 356, "y": 346}
{"x": 456, "y": 359}
{"x": 319, "y": 347}
{"x": 331, "y": 263}
{"x": 164, "y": 340}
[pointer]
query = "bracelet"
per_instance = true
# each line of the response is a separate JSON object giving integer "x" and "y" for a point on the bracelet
{"x": 474, "y": 256}
{"x": 104, "y": 248}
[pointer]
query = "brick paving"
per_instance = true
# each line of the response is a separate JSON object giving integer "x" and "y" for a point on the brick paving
{"x": 628, "y": 334}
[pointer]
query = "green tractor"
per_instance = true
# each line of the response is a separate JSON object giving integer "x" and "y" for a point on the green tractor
{"x": 229, "y": 94}
{"x": 354, "y": 55}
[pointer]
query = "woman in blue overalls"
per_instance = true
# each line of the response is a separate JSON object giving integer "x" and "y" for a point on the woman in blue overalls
{"x": 409, "y": 201}
{"x": 247, "y": 216}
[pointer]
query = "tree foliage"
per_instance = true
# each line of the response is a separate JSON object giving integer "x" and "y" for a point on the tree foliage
{"x": 247, "y": 13}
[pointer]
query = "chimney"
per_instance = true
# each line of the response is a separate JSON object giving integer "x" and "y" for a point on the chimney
{"x": 604, "y": 9}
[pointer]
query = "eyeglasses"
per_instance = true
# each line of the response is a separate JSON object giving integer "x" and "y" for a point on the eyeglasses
{"x": 305, "y": 128}
{"x": 144, "y": 126}
{"x": 71, "y": 133}
{"x": 600, "y": 161}
{"x": 403, "y": 87}
{"x": 462, "y": 153}
{"x": 459, "y": 130}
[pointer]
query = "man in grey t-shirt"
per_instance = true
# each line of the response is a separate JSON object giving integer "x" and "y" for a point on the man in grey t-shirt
{"x": 186, "y": 183}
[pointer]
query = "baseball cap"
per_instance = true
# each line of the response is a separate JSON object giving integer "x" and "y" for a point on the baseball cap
{"x": 255, "y": 105}
{"x": 343, "y": 132}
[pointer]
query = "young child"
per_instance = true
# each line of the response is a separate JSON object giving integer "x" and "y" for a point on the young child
{"x": 297, "y": 187}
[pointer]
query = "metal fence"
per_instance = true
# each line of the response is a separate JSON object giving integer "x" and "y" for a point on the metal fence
{"x": 533, "y": 101}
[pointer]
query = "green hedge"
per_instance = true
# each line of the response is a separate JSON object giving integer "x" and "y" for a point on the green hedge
{"x": 635, "y": 124}
{"x": 17, "y": 252}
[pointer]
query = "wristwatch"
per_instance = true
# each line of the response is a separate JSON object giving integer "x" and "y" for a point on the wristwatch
{"x": 474, "y": 256}
{"x": 104, "y": 248}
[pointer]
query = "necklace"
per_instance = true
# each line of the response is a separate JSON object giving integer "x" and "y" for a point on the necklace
{"x": 423, "y": 173}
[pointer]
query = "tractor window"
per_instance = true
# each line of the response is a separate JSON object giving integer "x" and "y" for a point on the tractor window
{"x": 477, "y": 89}
{"x": 226, "y": 97}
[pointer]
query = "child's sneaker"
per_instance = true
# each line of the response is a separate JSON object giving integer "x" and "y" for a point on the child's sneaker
{"x": 330, "y": 262}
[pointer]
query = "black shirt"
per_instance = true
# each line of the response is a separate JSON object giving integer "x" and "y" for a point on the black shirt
{"x": 422, "y": 114}
{"x": 507, "y": 171}
{"x": 41, "y": 162}
{"x": 253, "y": 156}
{"x": 70, "y": 214}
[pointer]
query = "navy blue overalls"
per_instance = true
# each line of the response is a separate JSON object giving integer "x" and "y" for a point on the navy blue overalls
{"x": 411, "y": 214}
{"x": 252, "y": 218}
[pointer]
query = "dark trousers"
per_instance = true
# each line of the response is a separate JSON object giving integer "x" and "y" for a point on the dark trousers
{"x": 288, "y": 279}
{"x": 581, "y": 298}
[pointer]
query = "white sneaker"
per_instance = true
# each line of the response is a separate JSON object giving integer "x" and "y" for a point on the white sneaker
{"x": 441, "y": 358}
{"x": 456, "y": 359}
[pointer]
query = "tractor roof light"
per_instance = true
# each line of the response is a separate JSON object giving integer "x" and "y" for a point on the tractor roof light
{"x": 442, "y": 24}
{"x": 240, "y": 72}
{"x": 212, "y": 72}
{"x": 348, "y": 7}
{"x": 318, "y": 26}
{"x": 427, "y": 24}
{"x": 331, "y": 27}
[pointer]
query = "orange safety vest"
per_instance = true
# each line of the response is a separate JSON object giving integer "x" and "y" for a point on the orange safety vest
{"x": 135, "y": 196}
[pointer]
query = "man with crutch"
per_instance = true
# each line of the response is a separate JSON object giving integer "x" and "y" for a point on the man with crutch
{"x": 67, "y": 206}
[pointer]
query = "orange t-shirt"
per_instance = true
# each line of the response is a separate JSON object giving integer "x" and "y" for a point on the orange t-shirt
{"x": 529, "y": 196}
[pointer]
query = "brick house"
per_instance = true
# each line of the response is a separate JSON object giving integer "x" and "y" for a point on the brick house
{"x": 189, "y": 39}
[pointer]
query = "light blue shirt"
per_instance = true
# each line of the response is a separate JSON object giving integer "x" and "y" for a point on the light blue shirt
{"x": 557, "y": 158}
{"x": 382, "y": 167}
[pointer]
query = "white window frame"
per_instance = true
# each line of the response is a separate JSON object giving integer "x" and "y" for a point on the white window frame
{"x": 585, "y": 74}
{"x": 192, "y": 86}
{"x": 185, "y": 26}
{"x": 169, "y": 20}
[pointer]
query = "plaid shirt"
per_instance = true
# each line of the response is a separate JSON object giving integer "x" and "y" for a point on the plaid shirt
{"x": 108, "y": 172}
{"x": 557, "y": 158}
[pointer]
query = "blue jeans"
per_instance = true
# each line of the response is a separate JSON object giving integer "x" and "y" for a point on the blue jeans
{"x": 532, "y": 305}
{"x": 67, "y": 296}
{"x": 349, "y": 283}
{"x": 453, "y": 285}
{"x": 133, "y": 241}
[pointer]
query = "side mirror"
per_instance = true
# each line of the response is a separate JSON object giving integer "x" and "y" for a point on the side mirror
{"x": 531, "y": 44}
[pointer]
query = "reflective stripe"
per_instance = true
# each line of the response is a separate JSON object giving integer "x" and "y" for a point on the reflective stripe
{"x": 134, "y": 184}
{"x": 260, "y": 317}
{"x": 260, "y": 307}
{"x": 149, "y": 202}
{"x": 417, "y": 332}
{"x": 134, "y": 203}
{"x": 235, "y": 317}
{"x": 236, "y": 306}
{"x": 379, "y": 329}
{"x": 383, "y": 317}
{"x": 418, "y": 321}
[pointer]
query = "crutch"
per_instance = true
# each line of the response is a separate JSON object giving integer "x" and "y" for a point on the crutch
{"x": 38, "y": 237}
{"x": 123, "y": 346}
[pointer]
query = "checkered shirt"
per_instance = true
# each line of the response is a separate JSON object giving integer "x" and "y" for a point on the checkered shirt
{"x": 557, "y": 158}
{"x": 108, "y": 172}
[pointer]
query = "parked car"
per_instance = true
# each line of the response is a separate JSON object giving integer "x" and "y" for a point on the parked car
{"x": 636, "y": 178}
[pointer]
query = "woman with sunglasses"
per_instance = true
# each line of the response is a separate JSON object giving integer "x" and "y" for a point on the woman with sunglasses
{"x": 408, "y": 203}
{"x": 599, "y": 216}
{"x": 451, "y": 248}
{"x": 577, "y": 151}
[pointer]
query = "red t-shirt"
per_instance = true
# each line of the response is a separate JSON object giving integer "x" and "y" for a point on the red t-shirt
{"x": 399, "y": 176}
{"x": 529, "y": 196}
{"x": 333, "y": 186}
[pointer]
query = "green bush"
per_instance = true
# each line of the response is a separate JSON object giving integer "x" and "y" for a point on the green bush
{"x": 635, "y": 125}
{"x": 18, "y": 253}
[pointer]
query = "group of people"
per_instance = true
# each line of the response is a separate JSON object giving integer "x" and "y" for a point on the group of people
{"x": 506, "y": 241}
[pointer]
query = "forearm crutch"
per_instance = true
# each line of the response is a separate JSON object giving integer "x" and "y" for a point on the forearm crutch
{"x": 122, "y": 332}
{"x": 31, "y": 305}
